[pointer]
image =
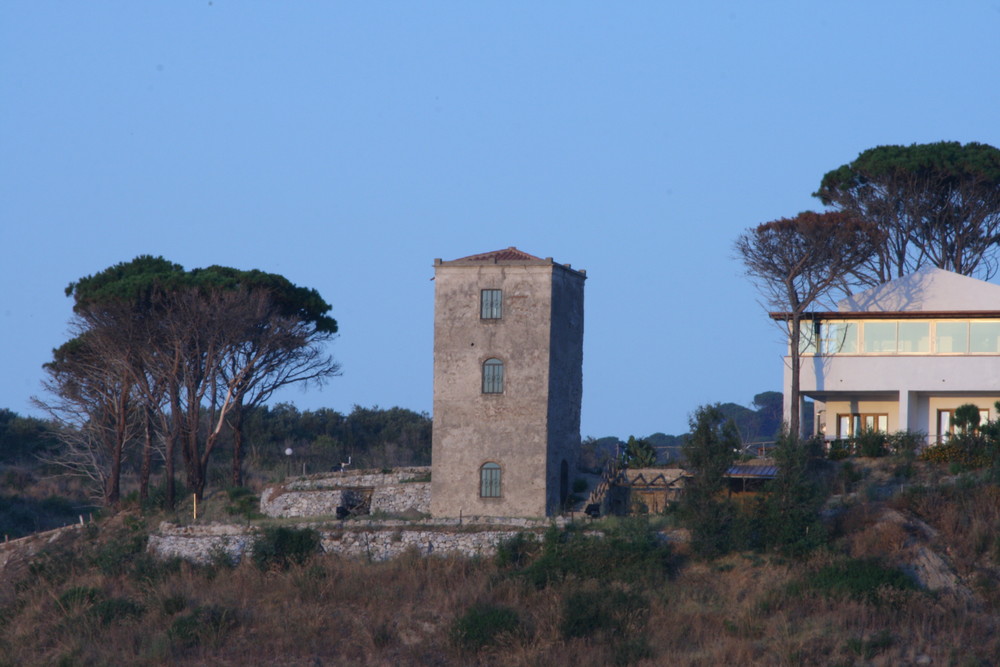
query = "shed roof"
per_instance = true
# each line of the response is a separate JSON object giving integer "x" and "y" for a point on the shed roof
{"x": 747, "y": 471}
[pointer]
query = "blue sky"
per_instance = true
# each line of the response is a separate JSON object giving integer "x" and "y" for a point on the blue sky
{"x": 347, "y": 145}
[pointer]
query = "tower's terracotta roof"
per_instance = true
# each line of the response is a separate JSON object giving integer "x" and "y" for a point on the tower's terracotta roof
{"x": 507, "y": 254}
{"x": 510, "y": 257}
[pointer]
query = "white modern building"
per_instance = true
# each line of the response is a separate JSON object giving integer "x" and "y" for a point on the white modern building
{"x": 901, "y": 356}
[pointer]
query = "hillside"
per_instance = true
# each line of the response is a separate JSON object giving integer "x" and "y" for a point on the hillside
{"x": 909, "y": 576}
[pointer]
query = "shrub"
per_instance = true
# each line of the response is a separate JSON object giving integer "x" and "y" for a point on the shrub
{"x": 838, "y": 450}
{"x": 629, "y": 551}
{"x": 906, "y": 443}
{"x": 870, "y": 442}
{"x": 122, "y": 547}
{"x": 203, "y": 623}
{"x": 517, "y": 551}
{"x": 79, "y": 596}
{"x": 786, "y": 518}
{"x": 708, "y": 452}
{"x": 848, "y": 476}
{"x": 106, "y": 610}
{"x": 613, "y": 613}
{"x": 52, "y": 566}
{"x": 173, "y": 604}
{"x": 148, "y": 569}
{"x": 278, "y": 548}
{"x": 243, "y": 502}
{"x": 963, "y": 450}
{"x": 116, "y": 609}
{"x": 966, "y": 417}
{"x": 614, "y": 617}
{"x": 638, "y": 453}
{"x": 484, "y": 624}
{"x": 865, "y": 580}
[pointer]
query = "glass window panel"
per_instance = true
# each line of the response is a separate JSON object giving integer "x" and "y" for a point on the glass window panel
{"x": 493, "y": 376}
{"x": 840, "y": 338}
{"x": 844, "y": 426}
{"x": 880, "y": 337}
{"x": 807, "y": 338}
{"x": 883, "y": 423}
{"x": 491, "y": 304}
{"x": 951, "y": 337}
{"x": 489, "y": 480}
{"x": 944, "y": 422}
{"x": 984, "y": 337}
{"x": 915, "y": 337}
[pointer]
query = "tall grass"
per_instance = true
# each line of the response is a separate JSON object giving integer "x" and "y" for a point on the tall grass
{"x": 619, "y": 599}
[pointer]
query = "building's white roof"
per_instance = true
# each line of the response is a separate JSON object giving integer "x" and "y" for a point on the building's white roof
{"x": 929, "y": 289}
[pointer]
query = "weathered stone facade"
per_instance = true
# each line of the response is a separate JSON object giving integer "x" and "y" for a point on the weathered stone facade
{"x": 531, "y": 428}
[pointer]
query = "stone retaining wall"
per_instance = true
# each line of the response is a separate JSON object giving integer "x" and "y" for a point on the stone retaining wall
{"x": 359, "y": 478}
{"x": 402, "y": 498}
{"x": 200, "y": 544}
{"x": 385, "y": 544}
{"x": 277, "y": 502}
{"x": 321, "y": 495}
{"x": 374, "y": 540}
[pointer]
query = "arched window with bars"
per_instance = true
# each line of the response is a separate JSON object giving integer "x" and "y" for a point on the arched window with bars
{"x": 489, "y": 480}
{"x": 492, "y": 376}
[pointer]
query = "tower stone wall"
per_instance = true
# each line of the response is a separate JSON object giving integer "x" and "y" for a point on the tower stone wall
{"x": 530, "y": 429}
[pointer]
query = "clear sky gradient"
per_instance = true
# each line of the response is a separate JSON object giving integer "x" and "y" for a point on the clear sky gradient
{"x": 346, "y": 145}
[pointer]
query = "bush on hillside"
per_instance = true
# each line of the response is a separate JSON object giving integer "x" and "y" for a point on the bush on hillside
{"x": 277, "y": 548}
{"x": 485, "y": 624}
{"x": 631, "y": 551}
{"x": 864, "y": 580}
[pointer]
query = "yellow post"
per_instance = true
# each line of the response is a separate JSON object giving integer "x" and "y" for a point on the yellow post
{"x": 195, "y": 497}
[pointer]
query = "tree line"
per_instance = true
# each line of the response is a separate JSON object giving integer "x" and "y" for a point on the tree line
{"x": 163, "y": 359}
{"x": 321, "y": 439}
{"x": 325, "y": 439}
{"x": 759, "y": 423}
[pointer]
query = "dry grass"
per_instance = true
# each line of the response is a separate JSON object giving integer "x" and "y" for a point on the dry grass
{"x": 334, "y": 611}
{"x": 98, "y": 602}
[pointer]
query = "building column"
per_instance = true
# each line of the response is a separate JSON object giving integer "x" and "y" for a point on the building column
{"x": 906, "y": 398}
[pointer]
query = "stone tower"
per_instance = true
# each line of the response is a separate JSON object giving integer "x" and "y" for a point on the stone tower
{"x": 508, "y": 382}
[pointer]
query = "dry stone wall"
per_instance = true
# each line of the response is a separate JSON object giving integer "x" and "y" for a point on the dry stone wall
{"x": 372, "y": 540}
{"x": 402, "y": 498}
{"x": 385, "y": 544}
{"x": 398, "y": 492}
{"x": 359, "y": 478}
{"x": 201, "y": 544}
{"x": 372, "y": 492}
{"x": 277, "y": 502}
